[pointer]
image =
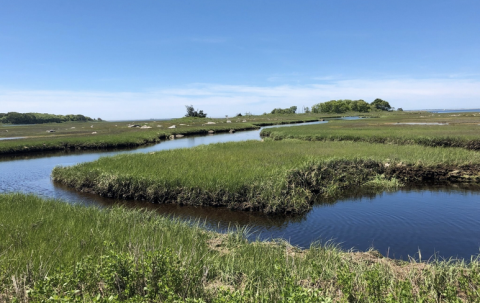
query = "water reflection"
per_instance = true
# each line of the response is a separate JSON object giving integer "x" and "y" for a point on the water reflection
{"x": 435, "y": 218}
{"x": 432, "y": 217}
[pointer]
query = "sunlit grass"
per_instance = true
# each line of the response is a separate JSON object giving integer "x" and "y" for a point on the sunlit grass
{"x": 466, "y": 135}
{"x": 270, "y": 176}
{"x": 50, "y": 250}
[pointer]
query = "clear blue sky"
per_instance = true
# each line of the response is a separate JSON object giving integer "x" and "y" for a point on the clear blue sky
{"x": 148, "y": 59}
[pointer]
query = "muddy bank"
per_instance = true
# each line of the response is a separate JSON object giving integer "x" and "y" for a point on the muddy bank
{"x": 443, "y": 173}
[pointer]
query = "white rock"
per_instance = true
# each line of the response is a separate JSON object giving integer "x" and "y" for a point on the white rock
{"x": 173, "y": 126}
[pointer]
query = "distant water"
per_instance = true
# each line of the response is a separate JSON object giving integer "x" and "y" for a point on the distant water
{"x": 447, "y": 111}
{"x": 11, "y": 138}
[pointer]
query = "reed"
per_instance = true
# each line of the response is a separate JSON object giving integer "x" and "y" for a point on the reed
{"x": 53, "y": 251}
{"x": 272, "y": 176}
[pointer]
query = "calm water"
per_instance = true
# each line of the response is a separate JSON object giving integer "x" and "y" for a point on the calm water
{"x": 11, "y": 138}
{"x": 434, "y": 218}
{"x": 450, "y": 111}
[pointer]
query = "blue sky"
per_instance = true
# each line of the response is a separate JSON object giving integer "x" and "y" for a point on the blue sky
{"x": 148, "y": 59}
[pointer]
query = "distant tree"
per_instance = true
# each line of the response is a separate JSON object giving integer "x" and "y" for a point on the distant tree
{"x": 37, "y": 118}
{"x": 400, "y": 109}
{"x": 239, "y": 115}
{"x": 359, "y": 106}
{"x": 99, "y": 119}
{"x": 341, "y": 106}
{"x": 191, "y": 112}
{"x": 290, "y": 110}
{"x": 381, "y": 104}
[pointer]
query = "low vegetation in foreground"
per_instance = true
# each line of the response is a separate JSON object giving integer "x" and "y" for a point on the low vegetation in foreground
{"x": 272, "y": 176}
{"x": 445, "y": 130}
{"x": 53, "y": 251}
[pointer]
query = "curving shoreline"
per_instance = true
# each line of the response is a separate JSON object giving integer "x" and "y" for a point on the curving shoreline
{"x": 242, "y": 175}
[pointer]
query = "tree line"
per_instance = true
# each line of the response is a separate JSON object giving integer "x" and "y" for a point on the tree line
{"x": 346, "y": 105}
{"x": 340, "y": 106}
{"x": 37, "y": 118}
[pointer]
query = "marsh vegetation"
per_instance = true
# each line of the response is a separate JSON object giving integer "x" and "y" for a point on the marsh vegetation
{"x": 272, "y": 176}
{"x": 108, "y": 135}
{"x": 54, "y": 251}
{"x": 51, "y": 250}
{"x": 434, "y": 130}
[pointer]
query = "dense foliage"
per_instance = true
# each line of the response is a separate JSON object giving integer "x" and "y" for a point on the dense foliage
{"x": 343, "y": 106}
{"x": 381, "y": 104}
{"x": 290, "y": 110}
{"x": 191, "y": 112}
{"x": 38, "y": 118}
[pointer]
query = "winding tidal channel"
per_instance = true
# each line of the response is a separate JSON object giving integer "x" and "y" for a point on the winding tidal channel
{"x": 435, "y": 219}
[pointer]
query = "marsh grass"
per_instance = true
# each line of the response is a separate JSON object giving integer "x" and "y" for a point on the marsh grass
{"x": 461, "y": 133}
{"x": 383, "y": 183}
{"x": 79, "y": 135}
{"x": 53, "y": 251}
{"x": 272, "y": 176}
{"x": 108, "y": 135}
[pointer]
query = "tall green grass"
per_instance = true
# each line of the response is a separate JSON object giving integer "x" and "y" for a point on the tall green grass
{"x": 53, "y": 251}
{"x": 384, "y": 131}
{"x": 273, "y": 177}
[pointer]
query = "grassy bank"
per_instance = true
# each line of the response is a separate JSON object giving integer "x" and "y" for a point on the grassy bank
{"x": 107, "y": 138}
{"x": 105, "y": 135}
{"x": 50, "y": 250}
{"x": 457, "y": 131}
{"x": 272, "y": 176}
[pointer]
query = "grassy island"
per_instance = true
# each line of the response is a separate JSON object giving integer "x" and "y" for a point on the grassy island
{"x": 53, "y": 251}
{"x": 272, "y": 176}
{"x": 437, "y": 130}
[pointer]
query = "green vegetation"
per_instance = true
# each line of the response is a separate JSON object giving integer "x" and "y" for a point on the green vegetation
{"x": 107, "y": 135}
{"x": 272, "y": 176}
{"x": 191, "y": 112}
{"x": 381, "y": 104}
{"x": 395, "y": 129}
{"x": 290, "y": 110}
{"x": 92, "y": 135}
{"x": 37, "y": 118}
{"x": 53, "y": 251}
{"x": 343, "y": 106}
